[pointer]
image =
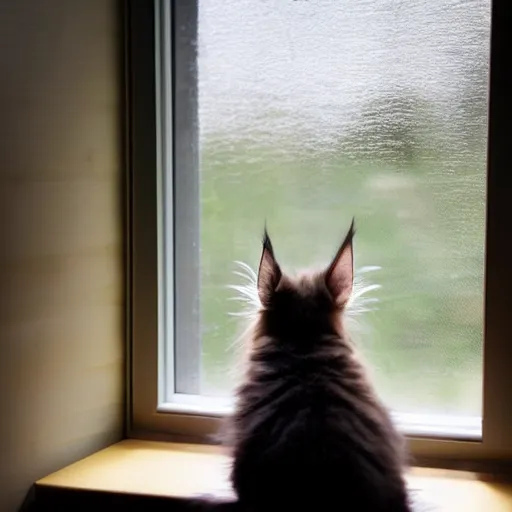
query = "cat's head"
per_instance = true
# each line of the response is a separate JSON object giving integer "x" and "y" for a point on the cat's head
{"x": 311, "y": 301}
{"x": 334, "y": 295}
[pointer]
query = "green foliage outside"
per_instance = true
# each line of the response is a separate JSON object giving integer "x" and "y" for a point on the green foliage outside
{"x": 416, "y": 187}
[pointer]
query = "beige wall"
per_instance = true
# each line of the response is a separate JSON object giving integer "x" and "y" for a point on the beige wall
{"x": 61, "y": 293}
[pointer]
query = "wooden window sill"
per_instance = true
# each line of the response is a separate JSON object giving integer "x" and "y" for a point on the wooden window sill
{"x": 171, "y": 473}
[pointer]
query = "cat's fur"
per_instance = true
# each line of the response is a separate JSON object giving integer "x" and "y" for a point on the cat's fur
{"x": 308, "y": 431}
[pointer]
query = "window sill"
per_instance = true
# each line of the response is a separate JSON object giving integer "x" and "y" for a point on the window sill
{"x": 147, "y": 470}
{"x": 467, "y": 428}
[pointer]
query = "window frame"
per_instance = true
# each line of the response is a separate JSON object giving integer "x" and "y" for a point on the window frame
{"x": 147, "y": 120}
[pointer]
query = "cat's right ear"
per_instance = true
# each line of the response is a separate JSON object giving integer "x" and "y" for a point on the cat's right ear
{"x": 269, "y": 272}
{"x": 339, "y": 277}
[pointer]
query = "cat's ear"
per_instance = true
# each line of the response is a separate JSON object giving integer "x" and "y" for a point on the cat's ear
{"x": 339, "y": 277}
{"x": 269, "y": 273}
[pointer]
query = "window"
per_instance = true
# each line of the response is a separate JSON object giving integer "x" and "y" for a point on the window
{"x": 304, "y": 113}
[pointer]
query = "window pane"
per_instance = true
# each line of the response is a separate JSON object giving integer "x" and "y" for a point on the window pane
{"x": 311, "y": 112}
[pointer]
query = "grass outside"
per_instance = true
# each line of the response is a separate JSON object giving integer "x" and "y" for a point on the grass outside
{"x": 418, "y": 218}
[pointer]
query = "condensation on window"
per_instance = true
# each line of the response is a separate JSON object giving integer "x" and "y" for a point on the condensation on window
{"x": 312, "y": 112}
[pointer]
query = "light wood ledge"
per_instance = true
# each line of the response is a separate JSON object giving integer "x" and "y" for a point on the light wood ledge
{"x": 158, "y": 469}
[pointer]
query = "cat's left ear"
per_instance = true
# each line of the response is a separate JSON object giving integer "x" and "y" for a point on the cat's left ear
{"x": 339, "y": 277}
{"x": 269, "y": 273}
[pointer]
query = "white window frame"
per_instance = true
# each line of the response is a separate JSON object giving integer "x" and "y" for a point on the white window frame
{"x": 156, "y": 408}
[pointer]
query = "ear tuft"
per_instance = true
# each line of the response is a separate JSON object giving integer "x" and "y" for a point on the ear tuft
{"x": 269, "y": 273}
{"x": 339, "y": 277}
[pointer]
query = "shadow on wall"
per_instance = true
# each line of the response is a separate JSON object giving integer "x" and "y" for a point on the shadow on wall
{"x": 61, "y": 257}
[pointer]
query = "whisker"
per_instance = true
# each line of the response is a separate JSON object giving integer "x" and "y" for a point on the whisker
{"x": 368, "y": 268}
{"x": 247, "y": 292}
{"x": 359, "y": 302}
{"x": 249, "y": 270}
{"x": 240, "y": 313}
{"x": 241, "y": 274}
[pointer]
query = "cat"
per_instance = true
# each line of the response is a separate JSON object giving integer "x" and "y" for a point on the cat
{"x": 308, "y": 431}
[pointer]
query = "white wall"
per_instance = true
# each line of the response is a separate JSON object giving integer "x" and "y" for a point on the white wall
{"x": 61, "y": 261}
